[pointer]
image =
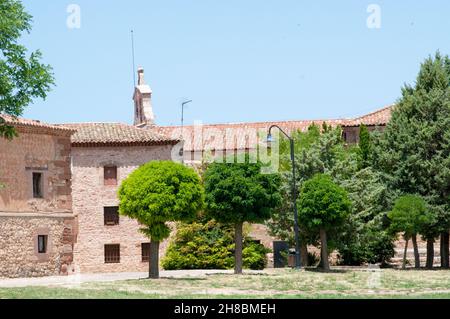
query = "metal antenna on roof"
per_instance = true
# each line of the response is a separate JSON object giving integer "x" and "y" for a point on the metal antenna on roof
{"x": 132, "y": 52}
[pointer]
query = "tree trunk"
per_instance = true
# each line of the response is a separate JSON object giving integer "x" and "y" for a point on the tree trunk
{"x": 445, "y": 262}
{"x": 238, "y": 249}
{"x": 430, "y": 253}
{"x": 404, "y": 253}
{"x": 304, "y": 254}
{"x": 324, "y": 250}
{"x": 416, "y": 252}
{"x": 154, "y": 260}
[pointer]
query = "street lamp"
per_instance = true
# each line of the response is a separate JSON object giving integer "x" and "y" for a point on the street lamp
{"x": 294, "y": 194}
{"x": 182, "y": 124}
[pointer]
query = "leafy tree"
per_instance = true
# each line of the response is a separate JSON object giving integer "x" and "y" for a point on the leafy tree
{"x": 323, "y": 205}
{"x": 365, "y": 238}
{"x": 414, "y": 150}
{"x": 365, "y": 148}
{"x": 409, "y": 216}
{"x": 318, "y": 150}
{"x": 238, "y": 193}
{"x": 160, "y": 192}
{"x": 22, "y": 77}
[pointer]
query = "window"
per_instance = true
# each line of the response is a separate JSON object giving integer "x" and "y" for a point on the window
{"x": 112, "y": 254}
{"x": 145, "y": 252}
{"x": 37, "y": 185}
{"x": 42, "y": 244}
{"x": 111, "y": 216}
{"x": 110, "y": 175}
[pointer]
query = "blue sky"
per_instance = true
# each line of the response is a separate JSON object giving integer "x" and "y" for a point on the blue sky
{"x": 239, "y": 61}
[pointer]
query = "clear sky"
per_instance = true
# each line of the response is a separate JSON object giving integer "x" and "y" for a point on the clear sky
{"x": 239, "y": 60}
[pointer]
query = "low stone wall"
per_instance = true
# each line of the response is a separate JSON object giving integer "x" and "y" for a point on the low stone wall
{"x": 19, "y": 255}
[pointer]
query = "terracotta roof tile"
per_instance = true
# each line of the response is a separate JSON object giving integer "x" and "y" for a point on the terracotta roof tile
{"x": 18, "y": 121}
{"x": 379, "y": 117}
{"x": 115, "y": 134}
{"x": 239, "y": 135}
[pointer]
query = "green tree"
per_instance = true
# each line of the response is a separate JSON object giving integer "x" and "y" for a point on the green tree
{"x": 320, "y": 149}
{"x": 323, "y": 205}
{"x": 365, "y": 148}
{"x": 22, "y": 77}
{"x": 414, "y": 150}
{"x": 238, "y": 193}
{"x": 409, "y": 216}
{"x": 365, "y": 237}
{"x": 160, "y": 192}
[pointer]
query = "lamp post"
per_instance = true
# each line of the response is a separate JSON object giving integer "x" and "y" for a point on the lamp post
{"x": 182, "y": 125}
{"x": 182, "y": 114}
{"x": 294, "y": 194}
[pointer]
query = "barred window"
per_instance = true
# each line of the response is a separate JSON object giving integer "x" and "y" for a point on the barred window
{"x": 145, "y": 252}
{"x": 112, "y": 254}
{"x": 111, "y": 216}
{"x": 42, "y": 244}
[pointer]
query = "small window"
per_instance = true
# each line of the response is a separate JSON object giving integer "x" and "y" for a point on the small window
{"x": 145, "y": 252}
{"x": 37, "y": 185}
{"x": 112, "y": 254}
{"x": 110, "y": 175}
{"x": 111, "y": 216}
{"x": 42, "y": 244}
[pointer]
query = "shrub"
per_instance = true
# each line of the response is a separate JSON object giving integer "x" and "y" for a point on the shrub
{"x": 210, "y": 245}
{"x": 255, "y": 256}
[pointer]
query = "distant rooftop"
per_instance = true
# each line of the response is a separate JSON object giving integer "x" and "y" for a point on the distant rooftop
{"x": 97, "y": 134}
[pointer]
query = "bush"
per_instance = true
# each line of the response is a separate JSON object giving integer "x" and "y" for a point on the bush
{"x": 210, "y": 245}
{"x": 254, "y": 256}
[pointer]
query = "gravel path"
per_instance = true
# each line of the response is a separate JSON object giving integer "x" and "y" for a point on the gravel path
{"x": 107, "y": 277}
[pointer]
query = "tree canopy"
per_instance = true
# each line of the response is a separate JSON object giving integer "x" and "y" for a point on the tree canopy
{"x": 22, "y": 77}
{"x": 323, "y": 205}
{"x": 409, "y": 215}
{"x": 160, "y": 192}
{"x": 238, "y": 193}
{"x": 414, "y": 150}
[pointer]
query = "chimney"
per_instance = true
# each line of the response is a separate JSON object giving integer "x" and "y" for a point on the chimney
{"x": 143, "y": 110}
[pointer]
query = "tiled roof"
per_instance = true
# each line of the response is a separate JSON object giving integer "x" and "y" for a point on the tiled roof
{"x": 18, "y": 121}
{"x": 379, "y": 117}
{"x": 236, "y": 135}
{"x": 233, "y": 135}
{"x": 92, "y": 134}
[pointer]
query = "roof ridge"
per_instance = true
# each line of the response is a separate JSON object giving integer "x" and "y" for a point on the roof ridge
{"x": 375, "y": 112}
{"x": 260, "y": 122}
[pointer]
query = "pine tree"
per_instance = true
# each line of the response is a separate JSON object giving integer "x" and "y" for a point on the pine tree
{"x": 414, "y": 150}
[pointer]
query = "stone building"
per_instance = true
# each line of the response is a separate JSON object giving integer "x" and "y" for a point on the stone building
{"x": 37, "y": 227}
{"x": 103, "y": 154}
{"x": 59, "y": 205}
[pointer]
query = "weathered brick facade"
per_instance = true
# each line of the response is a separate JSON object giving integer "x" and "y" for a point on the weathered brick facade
{"x": 44, "y": 150}
{"x": 91, "y": 195}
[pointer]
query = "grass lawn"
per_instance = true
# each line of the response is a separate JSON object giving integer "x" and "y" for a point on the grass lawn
{"x": 285, "y": 283}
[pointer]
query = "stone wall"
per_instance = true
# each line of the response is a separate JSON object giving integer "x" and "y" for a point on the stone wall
{"x": 90, "y": 196}
{"x": 35, "y": 150}
{"x": 19, "y": 255}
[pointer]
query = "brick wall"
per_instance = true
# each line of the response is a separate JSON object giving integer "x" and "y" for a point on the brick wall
{"x": 22, "y": 217}
{"x": 90, "y": 196}
{"x": 35, "y": 151}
